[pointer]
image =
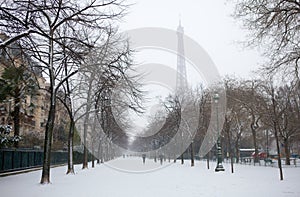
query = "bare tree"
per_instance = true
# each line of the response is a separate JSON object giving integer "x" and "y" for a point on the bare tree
{"x": 274, "y": 113}
{"x": 106, "y": 83}
{"x": 248, "y": 101}
{"x": 190, "y": 120}
{"x": 289, "y": 121}
{"x": 35, "y": 24}
{"x": 204, "y": 118}
{"x": 283, "y": 113}
{"x": 274, "y": 25}
{"x": 230, "y": 116}
{"x": 237, "y": 112}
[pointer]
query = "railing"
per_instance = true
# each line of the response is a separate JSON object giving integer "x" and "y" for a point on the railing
{"x": 12, "y": 160}
{"x": 294, "y": 162}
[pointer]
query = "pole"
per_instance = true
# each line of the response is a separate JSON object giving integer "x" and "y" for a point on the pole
{"x": 219, "y": 149}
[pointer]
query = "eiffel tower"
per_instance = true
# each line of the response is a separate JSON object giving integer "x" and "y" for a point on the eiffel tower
{"x": 181, "y": 79}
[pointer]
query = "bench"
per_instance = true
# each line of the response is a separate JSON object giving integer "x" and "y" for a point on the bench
{"x": 268, "y": 161}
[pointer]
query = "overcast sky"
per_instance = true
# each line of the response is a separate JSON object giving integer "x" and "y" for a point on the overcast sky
{"x": 207, "y": 22}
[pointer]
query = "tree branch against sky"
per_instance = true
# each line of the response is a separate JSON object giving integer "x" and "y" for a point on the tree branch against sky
{"x": 274, "y": 26}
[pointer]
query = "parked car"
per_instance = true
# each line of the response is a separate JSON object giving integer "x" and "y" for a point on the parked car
{"x": 261, "y": 155}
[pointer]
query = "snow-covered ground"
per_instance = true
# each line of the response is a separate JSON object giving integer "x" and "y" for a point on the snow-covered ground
{"x": 174, "y": 180}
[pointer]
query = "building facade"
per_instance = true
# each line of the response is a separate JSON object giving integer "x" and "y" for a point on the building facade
{"x": 34, "y": 107}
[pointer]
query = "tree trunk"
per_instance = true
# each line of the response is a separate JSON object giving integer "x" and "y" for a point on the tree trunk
{"x": 230, "y": 154}
{"x": 93, "y": 138}
{"x": 85, "y": 155}
{"x": 102, "y": 159}
{"x": 47, "y": 145}
{"x": 279, "y": 156}
{"x": 192, "y": 155}
{"x": 237, "y": 150}
{"x": 287, "y": 152}
{"x": 231, "y": 159}
{"x": 275, "y": 123}
{"x": 106, "y": 158}
{"x": 229, "y": 147}
{"x": 93, "y": 153}
{"x": 182, "y": 159}
{"x": 207, "y": 160}
{"x": 51, "y": 117}
{"x": 100, "y": 152}
{"x": 93, "y": 159}
{"x": 85, "y": 150}
{"x": 69, "y": 107}
{"x": 98, "y": 157}
{"x": 256, "y": 159}
{"x": 16, "y": 117}
{"x": 70, "y": 148}
{"x": 86, "y": 124}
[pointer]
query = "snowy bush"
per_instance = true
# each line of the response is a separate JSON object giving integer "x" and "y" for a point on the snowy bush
{"x": 5, "y": 139}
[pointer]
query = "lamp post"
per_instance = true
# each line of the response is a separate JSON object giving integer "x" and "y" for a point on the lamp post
{"x": 219, "y": 148}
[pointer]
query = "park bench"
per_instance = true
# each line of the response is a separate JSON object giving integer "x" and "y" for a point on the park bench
{"x": 268, "y": 161}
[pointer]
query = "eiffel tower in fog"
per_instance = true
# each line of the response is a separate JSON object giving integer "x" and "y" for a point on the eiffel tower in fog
{"x": 181, "y": 79}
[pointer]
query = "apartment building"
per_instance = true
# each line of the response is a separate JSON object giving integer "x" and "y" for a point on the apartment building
{"x": 33, "y": 108}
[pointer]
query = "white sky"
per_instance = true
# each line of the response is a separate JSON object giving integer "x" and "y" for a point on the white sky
{"x": 208, "y": 23}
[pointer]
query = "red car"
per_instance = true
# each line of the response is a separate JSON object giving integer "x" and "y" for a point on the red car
{"x": 261, "y": 155}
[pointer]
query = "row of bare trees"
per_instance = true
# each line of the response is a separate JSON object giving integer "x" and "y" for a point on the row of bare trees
{"x": 254, "y": 108}
{"x": 76, "y": 46}
{"x": 273, "y": 26}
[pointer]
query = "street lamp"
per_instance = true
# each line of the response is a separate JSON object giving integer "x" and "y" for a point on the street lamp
{"x": 219, "y": 148}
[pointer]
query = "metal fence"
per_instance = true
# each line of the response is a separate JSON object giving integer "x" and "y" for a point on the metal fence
{"x": 294, "y": 162}
{"x": 11, "y": 160}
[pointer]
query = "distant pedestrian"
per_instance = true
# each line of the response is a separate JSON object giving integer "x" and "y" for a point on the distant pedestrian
{"x": 161, "y": 157}
{"x": 144, "y": 158}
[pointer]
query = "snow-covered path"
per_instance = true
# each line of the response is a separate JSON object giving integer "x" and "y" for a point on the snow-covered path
{"x": 174, "y": 180}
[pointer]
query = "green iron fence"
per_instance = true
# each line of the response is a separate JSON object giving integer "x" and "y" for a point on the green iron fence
{"x": 11, "y": 160}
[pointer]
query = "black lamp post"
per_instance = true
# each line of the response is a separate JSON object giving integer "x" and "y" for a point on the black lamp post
{"x": 219, "y": 148}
